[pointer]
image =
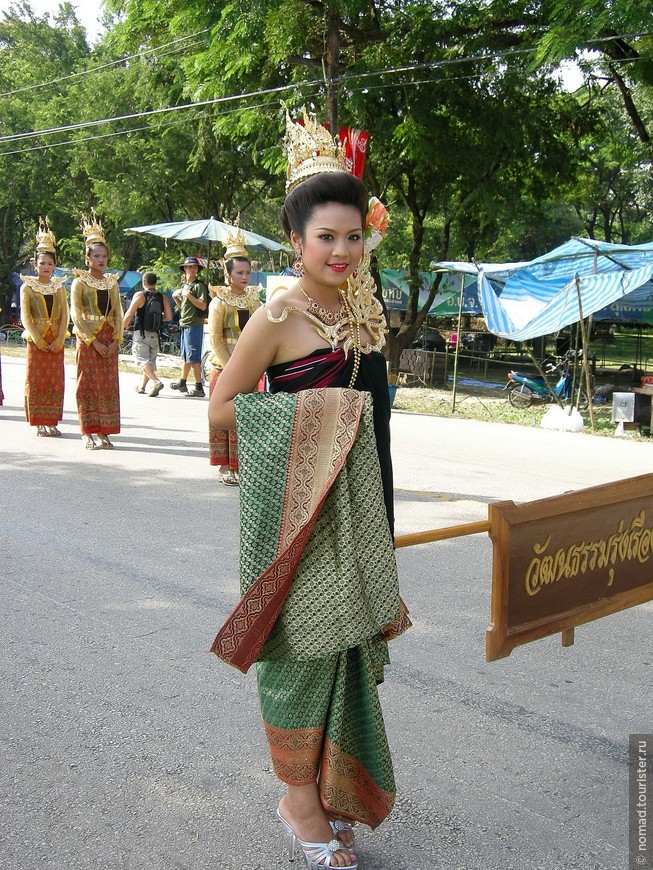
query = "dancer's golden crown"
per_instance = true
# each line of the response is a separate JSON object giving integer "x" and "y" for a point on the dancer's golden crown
{"x": 92, "y": 230}
{"x": 46, "y": 242}
{"x": 235, "y": 244}
{"x": 310, "y": 149}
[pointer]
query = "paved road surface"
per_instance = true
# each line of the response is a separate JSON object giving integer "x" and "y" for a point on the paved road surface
{"x": 124, "y": 744}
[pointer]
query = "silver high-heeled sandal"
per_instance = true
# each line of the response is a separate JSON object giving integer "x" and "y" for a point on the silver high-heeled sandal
{"x": 316, "y": 855}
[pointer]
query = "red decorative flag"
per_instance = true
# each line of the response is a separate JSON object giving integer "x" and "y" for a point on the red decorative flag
{"x": 355, "y": 144}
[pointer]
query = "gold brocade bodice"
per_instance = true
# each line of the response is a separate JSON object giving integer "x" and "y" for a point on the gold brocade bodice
{"x": 88, "y": 318}
{"x": 37, "y": 319}
{"x": 224, "y": 322}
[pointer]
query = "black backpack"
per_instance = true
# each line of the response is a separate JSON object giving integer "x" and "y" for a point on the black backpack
{"x": 151, "y": 312}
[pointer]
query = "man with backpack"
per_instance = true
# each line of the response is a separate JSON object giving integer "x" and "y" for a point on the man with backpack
{"x": 151, "y": 308}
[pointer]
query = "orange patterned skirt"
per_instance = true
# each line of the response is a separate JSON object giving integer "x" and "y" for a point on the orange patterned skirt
{"x": 44, "y": 385}
{"x": 98, "y": 394}
{"x": 223, "y": 448}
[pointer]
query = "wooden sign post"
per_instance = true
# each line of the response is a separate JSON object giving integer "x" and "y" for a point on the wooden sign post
{"x": 566, "y": 560}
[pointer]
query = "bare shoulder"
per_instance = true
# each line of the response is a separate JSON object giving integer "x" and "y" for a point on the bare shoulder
{"x": 283, "y": 300}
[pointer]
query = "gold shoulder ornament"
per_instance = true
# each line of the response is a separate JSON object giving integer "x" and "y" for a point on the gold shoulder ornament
{"x": 106, "y": 282}
{"x": 48, "y": 289}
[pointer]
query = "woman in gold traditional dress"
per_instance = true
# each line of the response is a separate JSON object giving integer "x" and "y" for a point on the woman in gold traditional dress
{"x": 231, "y": 307}
{"x": 97, "y": 317}
{"x": 319, "y": 586}
{"x": 44, "y": 312}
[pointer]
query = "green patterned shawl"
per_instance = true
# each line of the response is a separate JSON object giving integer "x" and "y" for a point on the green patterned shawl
{"x": 314, "y": 530}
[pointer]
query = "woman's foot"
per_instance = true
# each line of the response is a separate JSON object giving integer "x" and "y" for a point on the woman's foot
{"x": 53, "y": 432}
{"x": 41, "y": 432}
{"x": 312, "y": 831}
{"x": 89, "y": 442}
{"x": 105, "y": 444}
{"x": 230, "y": 478}
{"x": 344, "y": 832}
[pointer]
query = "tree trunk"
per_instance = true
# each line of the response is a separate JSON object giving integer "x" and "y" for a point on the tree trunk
{"x": 331, "y": 69}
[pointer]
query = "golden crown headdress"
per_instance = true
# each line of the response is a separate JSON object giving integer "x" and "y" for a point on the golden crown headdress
{"x": 310, "y": 149}
{"x": 46, "y": 242}
{"x": 92, "y": 230}
{"x": 234, "y": 244}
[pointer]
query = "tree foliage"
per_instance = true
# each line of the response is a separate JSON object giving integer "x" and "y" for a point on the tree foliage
{"x": 474, "y": 144}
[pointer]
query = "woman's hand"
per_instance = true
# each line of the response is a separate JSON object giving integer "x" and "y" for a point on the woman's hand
{"x": 102, "y": 349}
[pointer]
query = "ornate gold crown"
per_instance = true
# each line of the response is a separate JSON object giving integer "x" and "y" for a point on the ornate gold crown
{"x": 310, "y": 149}
{"x": 234, "y": 245}
{"x": 93, "y": 230}
{"x": 46, "y": 242}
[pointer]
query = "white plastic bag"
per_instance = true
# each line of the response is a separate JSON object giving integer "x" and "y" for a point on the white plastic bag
{"x": 565, "y": 419}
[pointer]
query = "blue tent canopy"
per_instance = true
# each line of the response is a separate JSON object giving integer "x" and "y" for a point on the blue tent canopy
{"x": 539, "y": 297}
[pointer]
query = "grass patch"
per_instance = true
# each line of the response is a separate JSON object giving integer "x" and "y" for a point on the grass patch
{"x": 491, "y": 405}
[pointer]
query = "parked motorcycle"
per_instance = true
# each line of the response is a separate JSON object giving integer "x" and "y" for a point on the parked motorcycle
{"x": 524, "y": 389}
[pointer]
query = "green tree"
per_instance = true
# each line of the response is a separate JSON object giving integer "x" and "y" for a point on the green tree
{"x": 34, "y": 180}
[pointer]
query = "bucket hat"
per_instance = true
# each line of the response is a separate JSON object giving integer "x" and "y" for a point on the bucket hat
{"x": 191, "y": 261}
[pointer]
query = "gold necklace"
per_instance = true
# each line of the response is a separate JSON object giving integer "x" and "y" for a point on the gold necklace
{"x": 355, "y": 332}
{"x": 324, "y": 315}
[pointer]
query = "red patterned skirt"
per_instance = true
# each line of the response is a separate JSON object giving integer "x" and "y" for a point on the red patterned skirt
{"x": 223, "y": 448}
{"x": 44, "y": 385}
{"x": 98, "y": 395}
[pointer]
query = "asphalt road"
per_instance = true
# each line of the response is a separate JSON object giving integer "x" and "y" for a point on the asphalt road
{"x": 124, "y": 744}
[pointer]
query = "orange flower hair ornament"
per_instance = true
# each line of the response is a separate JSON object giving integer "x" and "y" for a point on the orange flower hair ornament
{"x": 376, "y": 224}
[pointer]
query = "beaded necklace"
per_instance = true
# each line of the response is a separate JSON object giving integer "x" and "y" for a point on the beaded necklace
{"x": 355, "y": 333}
{"x": 324, "y": 315}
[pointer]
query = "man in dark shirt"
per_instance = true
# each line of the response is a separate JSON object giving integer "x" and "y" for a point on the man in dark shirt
{"x": 145, "y": 342}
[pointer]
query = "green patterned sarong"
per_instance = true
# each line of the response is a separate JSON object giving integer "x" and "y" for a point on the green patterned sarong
{"x": 319, "y": 585}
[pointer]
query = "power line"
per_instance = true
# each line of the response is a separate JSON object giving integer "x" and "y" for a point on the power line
{"x": 107, "y": 65}
{"x": 248, "y": 95}
{"x": 82, "y": 125}
{"x": 84, "y": 139}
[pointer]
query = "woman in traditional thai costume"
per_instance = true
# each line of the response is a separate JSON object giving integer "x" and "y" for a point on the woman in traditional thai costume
{"x": 97, "y": 317}
{"x": 231, "y": 307}
{"x": 318, "y": 573}
{"x": 44, "y": 312}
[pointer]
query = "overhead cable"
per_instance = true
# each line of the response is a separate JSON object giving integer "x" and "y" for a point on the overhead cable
{"x": 107, "y": 65}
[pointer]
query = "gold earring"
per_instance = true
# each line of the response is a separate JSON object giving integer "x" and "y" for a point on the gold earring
{"x": 297, "y": 264}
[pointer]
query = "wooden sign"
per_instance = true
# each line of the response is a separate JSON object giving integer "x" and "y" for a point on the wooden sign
{"x": 566, "y": 560}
